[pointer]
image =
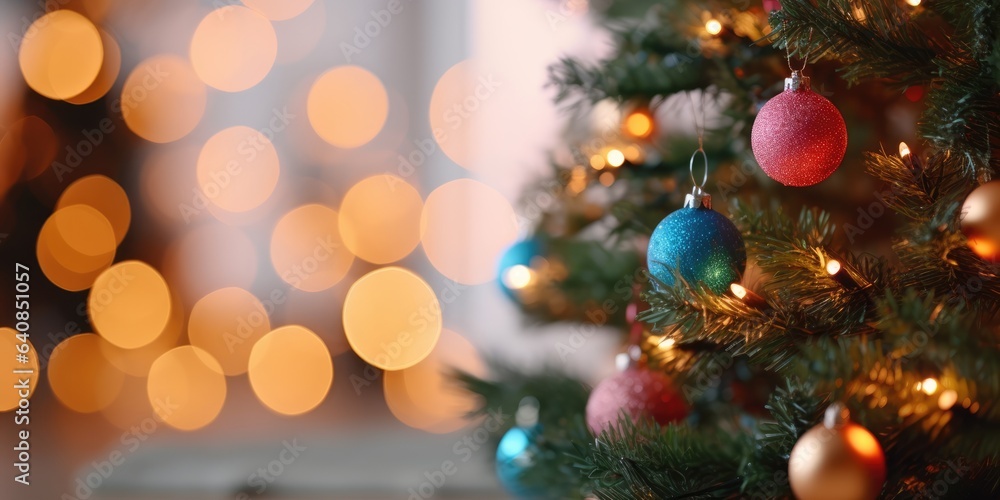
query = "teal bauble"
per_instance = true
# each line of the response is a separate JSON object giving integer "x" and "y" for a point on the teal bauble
{"x": 700, "y": 243}
{"x": 517, "y": 454}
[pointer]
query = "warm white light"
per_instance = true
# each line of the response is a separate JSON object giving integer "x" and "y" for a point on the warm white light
{"x": 738, "y": 290}
{"x": 947, "y": 399}
{"x": 913, "y": 3}
{"x": 833, "y": 267}
{"x": 616, "y": 158}
{"x": 904, "y": 150}
{"x": 929, "y": 386}
{"x": 518, "y": 277}
{"x": 713, "y": 27}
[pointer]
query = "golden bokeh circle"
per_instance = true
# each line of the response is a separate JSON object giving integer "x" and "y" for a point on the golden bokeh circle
{"x": 163, "y": 99}
{"x": 110, "y": 66}
{"x": 104, "y": 195}
{"x": 380, "y": 219}
{"x": 279, "y": 10}
{"x": 226, "y": 323}
{"x": 291, "y": 370}
{"x": 347, "y": 106}
{"x": 10, "y": 345}
{"x": 426, "y": 395}
{"x": 238, "y": 169}
{"x": 392, "y": 319}
{"x": 81, "y": 377}
{"x": 136, "y": 362}
{"x": 61, "y": 54}
{"x": 129, "y": 304}
{"x": 456, "y": 111}
{"x": 233, "y": 48}
{"x": 74, "y": 246}
{"x": 306, "y": 249}
{"x": 464, "y": 228}
{"x": 186, "y": 388}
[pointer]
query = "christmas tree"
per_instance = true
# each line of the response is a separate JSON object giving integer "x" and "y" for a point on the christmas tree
{"x": 800, "y": 332}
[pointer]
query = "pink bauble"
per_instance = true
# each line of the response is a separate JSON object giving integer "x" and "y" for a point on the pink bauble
{"x": 637, "y": 392}
{"x": 799, "y": 137}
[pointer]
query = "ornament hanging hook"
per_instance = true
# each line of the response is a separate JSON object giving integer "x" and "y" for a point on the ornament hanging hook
{"x": 704, "y": 177}
{"x": 788, "y": 52}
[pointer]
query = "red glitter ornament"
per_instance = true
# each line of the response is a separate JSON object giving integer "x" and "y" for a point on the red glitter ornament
{"x": 637, "y": 392}
{"x": 799, "y": 138}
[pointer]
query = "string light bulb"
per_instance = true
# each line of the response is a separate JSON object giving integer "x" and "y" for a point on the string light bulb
{"x": 639, "y": 124}
{"x": 748, "y": 296}
{"x": 908, "y": 159}
{"x": 843, "y": 274}
{"x": 518, "y": 276}
{"x": 913, "y": 3}
{"x": 929, "y": 385}
{"x": 615, "y": 158}
{"x": 713, "y": 27}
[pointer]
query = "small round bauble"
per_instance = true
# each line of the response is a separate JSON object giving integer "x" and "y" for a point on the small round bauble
{"x": 514, "y": 271}
{"x": 799, "y": 137}
{"x": 702, "y": 244}
{"x": 980, "y": 220}
{"x": 636, "y": 392}
{"x": 516, "y": 455}
{"x": 836, "y": 461}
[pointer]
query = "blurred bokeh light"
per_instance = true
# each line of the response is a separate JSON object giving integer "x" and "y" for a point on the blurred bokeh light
{"x": 461, "y": 212}
{"x": 290, "y": 370}
{"x": 186, "y": 388}
{"x": 129, "y": 304}
{"x": 392, "y": 318}
{"x": 380, "y": 219}
{"x": 226, "y": 323}
{"x": 347, "y": 106}
{"x": 306, "y": 249}
{"x": 81, "y": 377}
{"x": 63, "y": 55}
{"x": 233, "y": 48}
{"x": 163, "y": 99}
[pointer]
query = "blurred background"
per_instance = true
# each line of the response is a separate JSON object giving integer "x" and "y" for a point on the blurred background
{"x": 259, "y": 234}
{"x": 310, "y": 104}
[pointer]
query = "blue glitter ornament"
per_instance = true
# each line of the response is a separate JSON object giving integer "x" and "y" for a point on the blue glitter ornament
{"x": 701, "y": 243}
{"x": 517, "y": 451}
{"x": 514, "y": 269}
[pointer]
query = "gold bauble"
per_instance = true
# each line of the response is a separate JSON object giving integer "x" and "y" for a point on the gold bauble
{"x": 980, "y": 219}
{"x": 836, "y": 460}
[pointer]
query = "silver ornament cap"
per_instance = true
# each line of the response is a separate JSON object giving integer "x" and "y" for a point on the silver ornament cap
{"x": 797, "y": 81}
{"x": 698, "y": 198}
